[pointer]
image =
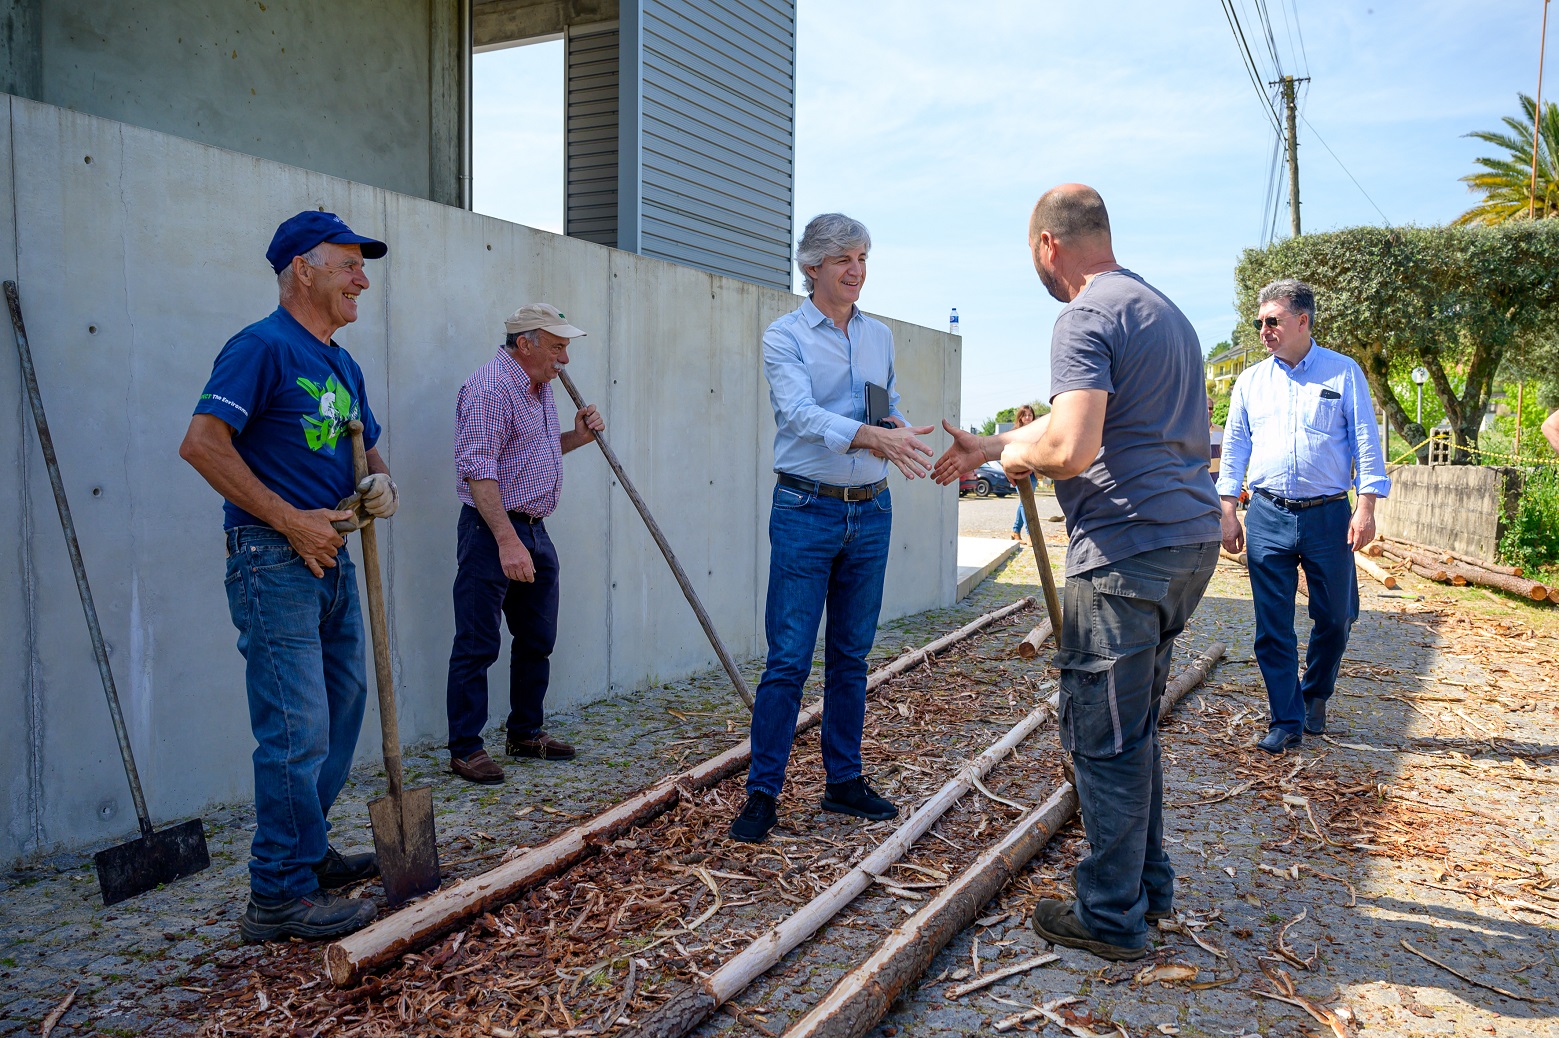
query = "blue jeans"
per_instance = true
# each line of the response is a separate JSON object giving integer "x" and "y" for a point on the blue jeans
{"x": 823, "y": 551}
{"x": 1277, "y": 542}
{"x": 302, "y": 640}
{"x": 1021, "y": 520}
{"x": 482, "y": 595}
{"x": 1119, "y": 625}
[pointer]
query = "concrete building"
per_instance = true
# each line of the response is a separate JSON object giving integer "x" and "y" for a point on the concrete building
{"x": 161, "y": 145}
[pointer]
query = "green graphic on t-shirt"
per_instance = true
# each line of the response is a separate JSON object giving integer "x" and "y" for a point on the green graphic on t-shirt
{"x": 336, "y": 408}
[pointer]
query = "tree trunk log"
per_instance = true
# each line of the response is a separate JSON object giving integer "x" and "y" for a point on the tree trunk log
{"x": 686, "y": 1011}
{"x": 439, "y": 913}
{"x": 858, "y": 1001}
{"x": 1226, "y": 554}
{"x": 1424, "y": 565}
{"x": 1447, "y": 555}
{"x": 1373, "y": 570}
{"x": 1523, "y": 586}
{"x": 1374, "y": 550}
{"x": 1028, "y": 648}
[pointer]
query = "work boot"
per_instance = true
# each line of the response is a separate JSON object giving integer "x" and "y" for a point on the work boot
{"x": 339, "y": 870}
{"x": 1315, "y": 716}
{"x": 1057, "y": 922}
{"x": 757, "y": 818}
{"x": 855, "y": 797}
{"x": 1278, "y": 740}
{"x": 312, "y": 917}
{"x": 477, "y": 767}
{"x": 541, "y": 746}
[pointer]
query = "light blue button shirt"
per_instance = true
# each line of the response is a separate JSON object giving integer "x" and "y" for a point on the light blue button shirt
{"x": 1301, "y": 431}
{"x": 817, "y": 385}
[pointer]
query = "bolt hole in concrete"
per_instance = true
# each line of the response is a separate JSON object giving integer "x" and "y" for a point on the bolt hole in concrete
{"x": 91, "y": 329}
{"x": 87, "y": 159}
{"x": 97, "y": 491}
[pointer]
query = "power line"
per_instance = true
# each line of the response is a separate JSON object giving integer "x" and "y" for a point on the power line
{"x": 1351, "y": 177}
{"x": 1301, "y": 32}
{"x": 1250, "y": 61}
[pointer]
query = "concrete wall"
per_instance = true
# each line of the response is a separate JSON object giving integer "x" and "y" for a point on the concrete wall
{"x": 137, "y": 265}
{"x": 1459, "y": 507}
{"x": 344, "y": 88}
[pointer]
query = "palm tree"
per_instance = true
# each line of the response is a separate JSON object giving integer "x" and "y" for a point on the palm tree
{"x": 1506, "y": 183}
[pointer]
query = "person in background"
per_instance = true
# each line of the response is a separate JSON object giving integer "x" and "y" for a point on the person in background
{"x": 1215, "y": 437}
{"x": 1301, "y": 431}
{"x": 1024, "y": 416}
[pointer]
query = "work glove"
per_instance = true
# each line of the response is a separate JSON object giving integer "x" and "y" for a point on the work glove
{"x": 378, "y": 495}
{"x": 376, "y": 498}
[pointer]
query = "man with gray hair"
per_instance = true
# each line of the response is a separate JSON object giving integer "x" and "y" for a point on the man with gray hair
{"x": 828, "y": 365}
{"x": 509, "y": 473}
{"x": 1301, "y": 431}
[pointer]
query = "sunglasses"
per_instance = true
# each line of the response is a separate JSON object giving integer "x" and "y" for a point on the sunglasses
{"x": 1269, "y": 322}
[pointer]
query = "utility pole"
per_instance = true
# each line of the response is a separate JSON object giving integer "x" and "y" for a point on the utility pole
{"x": 1537, "y": 112}
{"x": 1288, "y": 84}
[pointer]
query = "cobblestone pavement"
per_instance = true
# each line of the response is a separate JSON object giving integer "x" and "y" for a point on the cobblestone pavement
{"x": 1419, "y": 721}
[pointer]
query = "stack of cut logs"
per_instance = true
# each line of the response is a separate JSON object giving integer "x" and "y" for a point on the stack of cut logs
{"x": 1449, "y": 567}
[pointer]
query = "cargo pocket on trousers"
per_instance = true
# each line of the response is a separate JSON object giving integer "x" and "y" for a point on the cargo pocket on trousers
{"x": 1089, "y": 718}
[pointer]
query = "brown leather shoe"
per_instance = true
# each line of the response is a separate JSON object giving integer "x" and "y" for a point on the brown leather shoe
{"x": 541, "y": 746}
{"x": 478, "y": 767}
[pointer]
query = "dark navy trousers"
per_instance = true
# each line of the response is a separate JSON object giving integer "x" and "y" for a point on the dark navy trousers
{"x": 1278, "y": 541}
{"x": 482, "y": 595}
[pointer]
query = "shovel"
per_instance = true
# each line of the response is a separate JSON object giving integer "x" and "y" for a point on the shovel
{"x": 403, "y": 818}
{"x": 154, "y": 858}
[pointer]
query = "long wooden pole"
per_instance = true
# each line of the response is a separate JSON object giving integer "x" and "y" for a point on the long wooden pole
{"x": 1537, "y": 111}
{"x": 665, "y": 549}
{"x": 429, "y": 919}
{"x": 1047, "y": 576}
{"x": 1368, "y": 566}
{"x": 694, "y": 1004}
{"x": 860, "y": 999}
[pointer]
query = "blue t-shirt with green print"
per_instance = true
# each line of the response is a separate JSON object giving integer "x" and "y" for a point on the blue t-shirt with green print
{"x": 289, "y": 396}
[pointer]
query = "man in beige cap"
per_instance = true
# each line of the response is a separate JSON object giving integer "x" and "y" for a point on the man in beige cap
{"x": 509, "y": 470}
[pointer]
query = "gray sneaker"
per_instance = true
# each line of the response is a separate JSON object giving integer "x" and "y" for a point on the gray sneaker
{"x": 313, "y": 916}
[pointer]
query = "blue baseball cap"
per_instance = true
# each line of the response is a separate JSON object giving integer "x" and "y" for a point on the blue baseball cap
{"x": 301, "y": 233}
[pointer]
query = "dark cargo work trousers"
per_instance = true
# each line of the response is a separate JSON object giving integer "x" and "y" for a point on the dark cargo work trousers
{"x": 1119, "y": 624}
{"x": 482, "y": 595}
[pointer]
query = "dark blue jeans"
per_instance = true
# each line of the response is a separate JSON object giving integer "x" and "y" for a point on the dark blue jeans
{"x": 1277, "y": 542}
{"x": 1119, "y": 624}
{"x": 302, "y": 641}
{"x": 823, "y": 551}
{"x": 482, "y": 595}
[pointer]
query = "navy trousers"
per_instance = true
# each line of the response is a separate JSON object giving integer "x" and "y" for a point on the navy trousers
{"x": 1278, "y": 541}
{"x": 482, "y": 595}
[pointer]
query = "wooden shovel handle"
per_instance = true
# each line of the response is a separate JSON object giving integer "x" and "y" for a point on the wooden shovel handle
{"x": 389, "y": 727}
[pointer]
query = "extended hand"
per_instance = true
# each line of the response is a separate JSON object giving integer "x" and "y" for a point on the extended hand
{"x": 516, "y": 562}
{"x": 965, "y": 455}
{"x": 314, "y": 539}
{"x": 902, "y": 447}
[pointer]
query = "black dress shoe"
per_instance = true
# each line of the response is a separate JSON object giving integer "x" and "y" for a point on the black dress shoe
{"x": 757, "y": 818}
{"x": 1315, "y": 716}
{"x": 1057, "y": 923}
{"x": 1277, "y": 740}
{"x": 855, "y": 797}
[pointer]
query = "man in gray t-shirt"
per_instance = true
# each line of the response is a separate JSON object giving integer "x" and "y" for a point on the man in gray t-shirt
{"x": 1126, "y": 442}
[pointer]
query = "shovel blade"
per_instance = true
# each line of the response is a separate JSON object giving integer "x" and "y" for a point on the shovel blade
{"x": 404, "y": 841}
{"x": 146, "y": 862}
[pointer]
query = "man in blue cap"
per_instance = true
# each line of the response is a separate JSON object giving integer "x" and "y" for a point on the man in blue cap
{"x": 270, "y": 435}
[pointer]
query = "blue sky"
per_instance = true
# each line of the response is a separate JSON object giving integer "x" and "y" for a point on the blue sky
{"x": 939, "y": 124}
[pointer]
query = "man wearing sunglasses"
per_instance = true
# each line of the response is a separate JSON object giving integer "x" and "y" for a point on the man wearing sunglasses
{"x": 1301, "y": 430}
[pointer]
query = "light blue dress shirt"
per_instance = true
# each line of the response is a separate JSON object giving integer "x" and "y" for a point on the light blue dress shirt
{"x": 817, "y": 385}
{"x": 1300, "y": 431}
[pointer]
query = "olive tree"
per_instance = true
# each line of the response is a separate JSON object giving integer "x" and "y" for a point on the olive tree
{"x": 1459, "y": 301}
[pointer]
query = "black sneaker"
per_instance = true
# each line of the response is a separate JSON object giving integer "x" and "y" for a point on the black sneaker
{"x": 757, "y": 818}
{"x": 312, "y": 917}
{"x": 1057, "y": 923}
{"x": 337, "y": 870}
{"x": 855, "y": 797}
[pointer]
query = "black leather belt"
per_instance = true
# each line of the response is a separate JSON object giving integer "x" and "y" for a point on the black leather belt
{"x": 525, "y": 517}
{"x": 812, "y": 486}
{"x": 1295, "y": 504}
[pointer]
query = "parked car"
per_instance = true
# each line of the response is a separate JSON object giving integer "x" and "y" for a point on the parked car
{"x": 984, "y": 481}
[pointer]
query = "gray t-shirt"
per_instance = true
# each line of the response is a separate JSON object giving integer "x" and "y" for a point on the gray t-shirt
{"x": 1149, "y": 487}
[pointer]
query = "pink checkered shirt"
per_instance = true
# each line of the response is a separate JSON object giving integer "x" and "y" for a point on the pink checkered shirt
{"x": 506, "y": 432}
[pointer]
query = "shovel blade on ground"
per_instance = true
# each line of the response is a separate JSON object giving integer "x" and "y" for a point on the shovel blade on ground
{"x": 404, "y": 841}
{"x": 148, "y": 861}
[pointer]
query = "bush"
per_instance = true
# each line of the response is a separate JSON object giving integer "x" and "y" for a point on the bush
{"x": 1531, "y": 539}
